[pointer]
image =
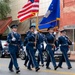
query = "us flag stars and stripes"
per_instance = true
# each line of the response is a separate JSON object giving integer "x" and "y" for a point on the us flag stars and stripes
{"x": 28, "y": 10}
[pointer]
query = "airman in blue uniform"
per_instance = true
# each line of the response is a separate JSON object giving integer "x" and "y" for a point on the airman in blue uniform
{"x": 40, "y": 47}
{"x": 25, "y": 42}
{"x": 64, "y": 43}
{"x": 50, "y": 40}
{"x": 15, "y": 43}
{"x": 30, "y": 47}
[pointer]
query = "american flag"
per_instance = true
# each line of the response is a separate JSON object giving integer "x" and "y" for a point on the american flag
{"x": 28, "y": 10}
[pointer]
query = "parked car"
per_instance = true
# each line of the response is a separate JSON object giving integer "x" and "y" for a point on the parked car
{"x": 57, "y": 54}
{"x": 4, "y": 52}
{"x": 23, "y": 54}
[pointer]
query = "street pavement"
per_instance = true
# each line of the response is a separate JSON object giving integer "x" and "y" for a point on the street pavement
{"x": 43, "y": 71}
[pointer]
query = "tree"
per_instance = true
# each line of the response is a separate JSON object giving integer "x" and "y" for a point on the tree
{"x": 7, "y": 1}
{"x": 4, "y": 9}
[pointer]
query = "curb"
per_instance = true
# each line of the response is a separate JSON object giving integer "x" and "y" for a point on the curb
{"x": 72, "y": 60}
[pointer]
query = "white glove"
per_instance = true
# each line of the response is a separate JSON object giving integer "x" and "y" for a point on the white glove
{"x": 35, "y": 32}
{"x": 41, "y": 46}
{"x": 54, "y": 33}
{"x": 13, "y": 39}
{"x": 72, "y": 43}
{"x": 21, "y": 49}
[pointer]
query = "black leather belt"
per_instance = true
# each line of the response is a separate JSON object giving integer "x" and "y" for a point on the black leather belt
{"x": 31, "y": 42}
{"x": 51, "y": 43}
{"x": 15, "y": 44}
{"x": 63, "y": 44}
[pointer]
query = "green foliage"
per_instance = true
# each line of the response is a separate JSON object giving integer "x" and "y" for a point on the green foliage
{"x": 7, "y": 1}
{"x": 4, "y": 9}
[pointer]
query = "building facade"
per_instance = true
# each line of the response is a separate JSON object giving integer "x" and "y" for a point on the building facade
{"x": 67, "y": 16}
{"x": 67, "y": 13}
{"x": 67, "y": 19}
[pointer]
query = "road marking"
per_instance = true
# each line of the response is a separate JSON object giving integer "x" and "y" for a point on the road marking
{"x": 52, "y": 71}
{"x": 56, "y": 72}
{"x": 3, "y": 65}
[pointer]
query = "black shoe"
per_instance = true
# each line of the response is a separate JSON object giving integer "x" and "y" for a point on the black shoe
{"x": 39, "y": 65}
{"x": 32, "y": 66}
{"x": 69, "y": 67}
{"x": 60, "y": 66}
{"x": 17, "y": 71}
{"x": 29, "y": 68}
{"x": 48, "y": 68}
{"x": 37, "y": 69}
{"x": 42, "y": 65}
{"x": 25, "y": 65}
{"x": 11, "y": 70}
{"x": 55, "y": 68}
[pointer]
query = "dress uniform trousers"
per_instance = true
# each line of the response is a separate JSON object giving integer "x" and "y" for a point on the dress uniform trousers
{"x": 61, "y": 60}
{"x": 29, "y": 58}
{"x": 64, "y": 51}
{"x": 40, "y": 48}
{"x": 13, "y": 53}
{"x": 31, "y": 55}
{"x": 48, "y": 60}
{"x": 51, "y": 54}
{"x": 26, "y": 60}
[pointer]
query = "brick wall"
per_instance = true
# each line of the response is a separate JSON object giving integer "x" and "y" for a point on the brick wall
{"x": 67, "y": 13}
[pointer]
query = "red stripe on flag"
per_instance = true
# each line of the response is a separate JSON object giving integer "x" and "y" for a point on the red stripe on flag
{"x": 27, "y": 17}
{"x": 23, "y": 14}
{"x": 36, "y": 0}
{"x": 30, "y": 6}
{"x": 29, "y": 3}
{"x": 24, "y": 10}
{"x": 28, "y": 10}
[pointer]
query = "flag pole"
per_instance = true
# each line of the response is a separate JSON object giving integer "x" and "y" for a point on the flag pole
{"x": 30, "y": 22}
{"x": 36, "y": 28}
{"x": 37, "y": 20}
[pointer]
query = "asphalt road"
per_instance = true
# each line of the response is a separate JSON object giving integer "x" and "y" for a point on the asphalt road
{"x": 43, "y": 71}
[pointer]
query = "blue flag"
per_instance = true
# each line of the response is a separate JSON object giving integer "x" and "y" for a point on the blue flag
{"x": 52, "y": 15}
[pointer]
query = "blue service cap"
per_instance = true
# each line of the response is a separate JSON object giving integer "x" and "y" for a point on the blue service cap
{"x": 14, "y": 26}
{"x": 50, "y": 28}
{"x": 31, "y": 27}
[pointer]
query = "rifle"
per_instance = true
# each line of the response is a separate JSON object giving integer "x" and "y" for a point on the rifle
{"x": 69, "y": 41}
{"x": 9, "y": 29}
{"x": 36, "y": 37}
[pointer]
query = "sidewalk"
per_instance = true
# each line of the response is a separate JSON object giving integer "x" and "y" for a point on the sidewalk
{"x": 72, "y": 56}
